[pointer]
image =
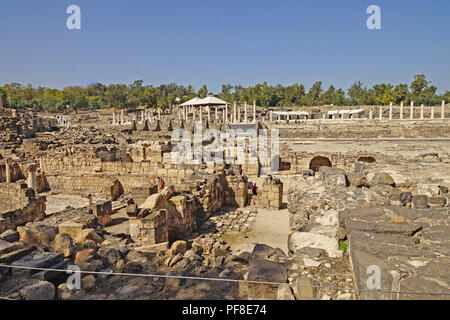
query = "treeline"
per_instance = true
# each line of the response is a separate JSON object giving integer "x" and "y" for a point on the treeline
{"x": 97, "y": 95}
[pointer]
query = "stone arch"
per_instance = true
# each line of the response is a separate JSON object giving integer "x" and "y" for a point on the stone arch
{"x": 367, "y": 159}
{"x": 318, "y": 162}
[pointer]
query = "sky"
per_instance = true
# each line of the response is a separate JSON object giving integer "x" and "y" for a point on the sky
{"x": 214, "y": 42}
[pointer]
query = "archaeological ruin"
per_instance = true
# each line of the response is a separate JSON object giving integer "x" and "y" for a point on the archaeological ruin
{"x": 309, "y": 200}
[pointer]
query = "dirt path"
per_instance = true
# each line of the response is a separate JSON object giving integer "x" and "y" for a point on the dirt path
{"x": 270, "y": 227}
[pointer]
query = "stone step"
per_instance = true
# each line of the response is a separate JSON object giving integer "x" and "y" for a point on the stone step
{"x": 36, "y": 259}
{"x": 16, "y": 255}
{"x": 55, "y": 277}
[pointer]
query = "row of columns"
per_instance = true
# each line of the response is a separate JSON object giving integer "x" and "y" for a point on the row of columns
{"x": 380, "y": 113}
{"x": 411, "y": 111}
{"x": 144, "y": 116}
{"x": 233, "y": 115}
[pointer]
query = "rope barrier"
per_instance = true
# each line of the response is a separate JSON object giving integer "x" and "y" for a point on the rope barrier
{"x": 219, "y": 279}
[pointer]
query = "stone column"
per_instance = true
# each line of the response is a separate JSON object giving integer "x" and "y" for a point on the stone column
{"x": 142, "y": 117}
{"x": 390, "y": 111}
{"x": 271, "y": 116}
{"x": 234, "y": 112}
{"x": 411, "y": 112}
{"x": 193, "y": 115}
{"x": 443, "y": 110}
{"x": 209, "y": 114}
{"x": 245, "y": 113}
{"x": 401, "y": 110}
{"x": 381, "y": 113}
{"x": 421, "y": 111}
{"x": 432, "y": 112}
{"x": 226, "y": 113}
{"x": 200, "y": 114}
{"x": 159, "y": 114}
{"x": 31, "y": 180}
{"x": 122, "y": 120}
{"x": 254, "y": 111}
{"x": 216, "y": 115}
{"x": 370, "y": 114}
{"x": 239, "y": 113}
{"x": 7, "y": 173}
{"x": 114, "y": 117}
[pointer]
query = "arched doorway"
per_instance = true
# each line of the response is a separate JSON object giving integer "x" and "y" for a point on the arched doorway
{"x": 318, "y": 162}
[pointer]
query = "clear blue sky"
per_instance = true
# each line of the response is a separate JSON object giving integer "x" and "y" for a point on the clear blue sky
{"x": 224, "y": 41}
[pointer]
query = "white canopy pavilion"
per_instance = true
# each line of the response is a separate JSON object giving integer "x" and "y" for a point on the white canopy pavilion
{"x": 290, "y": 114}
{"x": 349, "y": 113}
{"x": 208, "y": 101}
{"x": 193, "y": 102}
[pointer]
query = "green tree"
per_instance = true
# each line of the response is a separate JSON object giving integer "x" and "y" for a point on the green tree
{"x": 401, "y": 93}
{"x": 315, "y": 94}
{"x": 75, "y": 98}
{"x": 116, "y": 95}
{"x": 203, "y": 92}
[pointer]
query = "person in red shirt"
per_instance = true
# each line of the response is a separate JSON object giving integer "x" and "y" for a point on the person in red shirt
{"x": 160, "y": 184}
{"x": 254, "y": 188}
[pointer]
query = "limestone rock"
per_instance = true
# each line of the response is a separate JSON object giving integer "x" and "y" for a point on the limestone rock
{"x": 179, "y": 247}
{"x": 88, "y": 234}
{"x": 63, "y": 244}
{"x": 382, "y": 178}
{"x": 299, "y": 240}
{"x": 420, "y": 202}
{"x": 38, "y": 234}
{"x": 285, "y": 292}
{"x": 40, "y": 291}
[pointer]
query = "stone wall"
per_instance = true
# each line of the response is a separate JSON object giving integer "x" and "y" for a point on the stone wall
{"x": 103, "y": 210}
{"x": 149, "y": 227}
{"x": 271, "y": 194}
{"x": 141, "y": 193}
{"x": 13, "y": 196}
{"x": 32, "y": 211}
{"x": 237, "y": 193}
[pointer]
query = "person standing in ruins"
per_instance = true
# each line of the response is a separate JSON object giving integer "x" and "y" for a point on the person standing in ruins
{"x": 254, "y": 189}
{"x": 160, "y": 184}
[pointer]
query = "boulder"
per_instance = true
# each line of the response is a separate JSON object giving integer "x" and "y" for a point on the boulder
{"x": 63, "y": 244}
{"x": 84, "y": 255}
{"x": 334, "y": 176}
{"x": 42, "y": 290}
{"x": 382, "y": 178}
{"x": 192, "y": 256}
{"x": 158, "y": 200}
{"x": 197, "y": 248}
{"x": 430, "y": 190}
{"x": 179, "y": 247}
{"x": 285, "y": 292}
{"x": 37, "y": 234}
{"x": 88, "y": 283}
{"x": 110, "y": 254}
{"x": 405, "y": 198}
{"x": 420, "y": 202}
{"x": 88, "y": 234}
{"x": 263, "y": 271}
{"x": 357, "y": 180}
{"x": 298, "y": 240}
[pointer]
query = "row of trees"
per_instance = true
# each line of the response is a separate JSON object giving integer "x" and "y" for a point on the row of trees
{"x": 97, "y": 95}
